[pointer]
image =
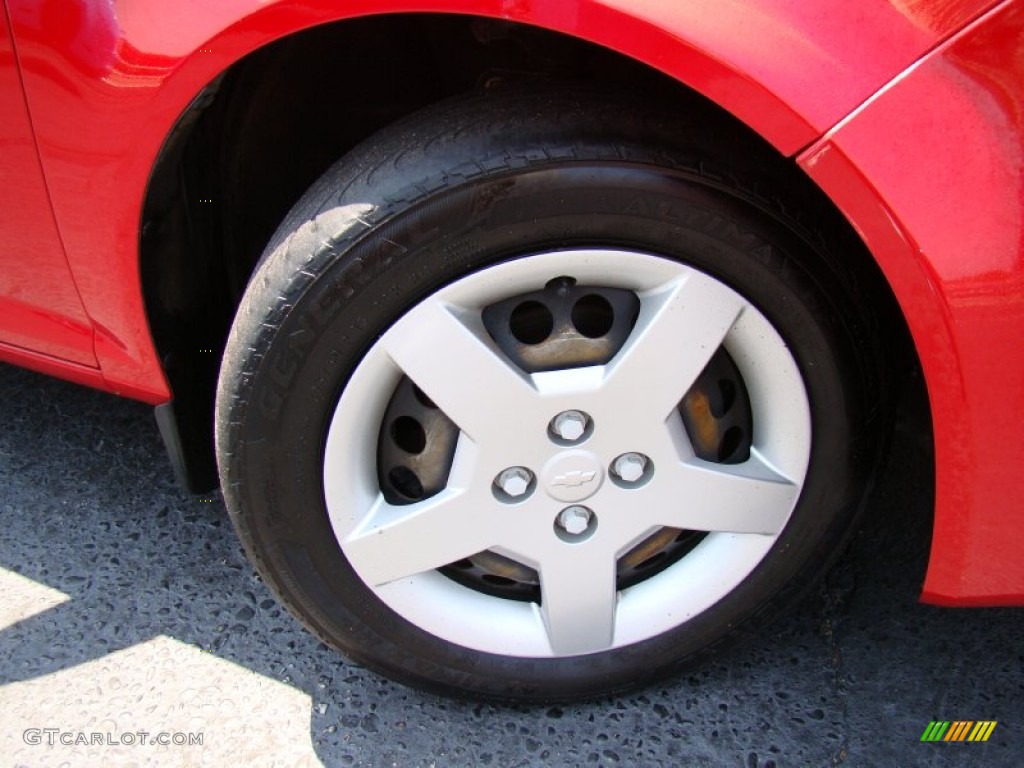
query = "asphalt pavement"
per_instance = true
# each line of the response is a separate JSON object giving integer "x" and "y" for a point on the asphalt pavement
{"x": 128, "y": 608}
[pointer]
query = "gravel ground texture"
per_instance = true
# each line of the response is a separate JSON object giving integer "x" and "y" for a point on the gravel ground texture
{"x": 127, "y": 607}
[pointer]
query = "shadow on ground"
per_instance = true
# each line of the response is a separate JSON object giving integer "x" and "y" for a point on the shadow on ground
{"x": 88, "y": 507}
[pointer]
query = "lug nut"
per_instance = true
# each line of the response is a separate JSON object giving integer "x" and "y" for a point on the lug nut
{"x": 629, "y": 467}
{"x": 514, "y": 481}
{"x": 574, "y": 520}
{"x": 570, "y": 425}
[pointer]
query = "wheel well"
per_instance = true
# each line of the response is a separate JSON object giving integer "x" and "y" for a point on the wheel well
{"x": 256, "y": 138}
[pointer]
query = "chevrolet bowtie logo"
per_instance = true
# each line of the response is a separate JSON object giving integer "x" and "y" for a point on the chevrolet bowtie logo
{"x": 574, "y": 478}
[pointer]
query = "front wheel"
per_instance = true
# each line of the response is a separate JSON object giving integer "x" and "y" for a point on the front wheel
{"x": 527, "y": 401}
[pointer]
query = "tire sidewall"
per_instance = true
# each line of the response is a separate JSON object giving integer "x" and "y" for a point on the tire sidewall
{"x": 331, "y": 300}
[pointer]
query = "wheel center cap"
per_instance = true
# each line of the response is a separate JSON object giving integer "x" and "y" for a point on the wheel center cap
{"x": 572, "y": 476}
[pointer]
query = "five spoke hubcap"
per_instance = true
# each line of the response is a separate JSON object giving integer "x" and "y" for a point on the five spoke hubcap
{"x": 573, "y": 440}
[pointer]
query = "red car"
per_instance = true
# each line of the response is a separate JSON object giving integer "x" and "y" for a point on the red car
{"x": 537, "y": 347}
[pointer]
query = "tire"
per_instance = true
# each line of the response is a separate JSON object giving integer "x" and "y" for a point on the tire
{"x": 542, "y": 396}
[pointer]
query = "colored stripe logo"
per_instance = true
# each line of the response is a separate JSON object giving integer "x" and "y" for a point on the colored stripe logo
{"x": 959, "y": 730}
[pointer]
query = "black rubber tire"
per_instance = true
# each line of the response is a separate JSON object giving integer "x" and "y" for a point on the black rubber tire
{"x": 492, "y": 177}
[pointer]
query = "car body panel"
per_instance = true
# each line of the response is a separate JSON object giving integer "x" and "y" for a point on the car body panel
{"x": 39, "y": 304}
{"x": 107, "y": 81}
{"x": 931, "y": 171}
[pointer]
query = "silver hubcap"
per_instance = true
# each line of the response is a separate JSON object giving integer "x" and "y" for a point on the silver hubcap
{"x": 521, "y": 461}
